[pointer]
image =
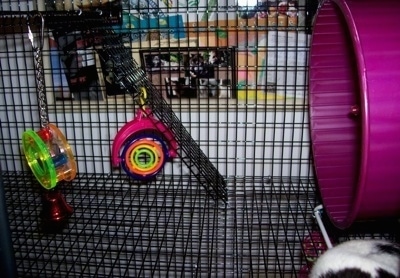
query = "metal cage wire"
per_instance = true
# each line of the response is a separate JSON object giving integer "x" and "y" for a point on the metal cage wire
{"x": 258, "y": 145}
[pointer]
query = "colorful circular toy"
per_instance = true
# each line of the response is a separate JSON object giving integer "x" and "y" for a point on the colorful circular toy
{"x": 49, "y": 156}
{"x": 144, "y": 156}
{"x": 47, "y": 151}
{"x": 143, "y": 145}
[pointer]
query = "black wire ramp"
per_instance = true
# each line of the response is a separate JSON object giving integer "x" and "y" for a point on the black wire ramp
{"x": 128, "y": 73}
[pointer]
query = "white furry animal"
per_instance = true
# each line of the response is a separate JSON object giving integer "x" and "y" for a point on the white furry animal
{"x": 359, "y": 258}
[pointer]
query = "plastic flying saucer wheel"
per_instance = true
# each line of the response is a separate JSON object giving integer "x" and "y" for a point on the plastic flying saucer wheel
{"x": 49, "y": 156}
{"x": 39, "y": 159}
{"x": 354, "y": 73}
{"x": 67, "y": 170}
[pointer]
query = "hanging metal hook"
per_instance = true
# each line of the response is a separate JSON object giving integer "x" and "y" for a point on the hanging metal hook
{"x": 143, "y": 98}
{"x": 37, "y": 43}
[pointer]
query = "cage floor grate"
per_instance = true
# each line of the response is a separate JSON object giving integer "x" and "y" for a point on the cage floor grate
{"x": 166, "y": 228}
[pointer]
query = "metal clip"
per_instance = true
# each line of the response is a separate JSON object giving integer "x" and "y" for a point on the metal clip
{"x": 143, "y": 98}
{"x": 37, "y": 44}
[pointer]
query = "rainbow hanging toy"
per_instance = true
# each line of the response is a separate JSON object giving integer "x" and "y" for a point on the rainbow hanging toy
{"x": 47, "y": 151}
{"x": 143, "y": 145}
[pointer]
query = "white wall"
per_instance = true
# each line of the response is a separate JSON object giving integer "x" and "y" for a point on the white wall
{"x": 239, "y": 140}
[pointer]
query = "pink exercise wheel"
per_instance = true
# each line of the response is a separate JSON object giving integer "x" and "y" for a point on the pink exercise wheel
{"x": 355, "y": 108}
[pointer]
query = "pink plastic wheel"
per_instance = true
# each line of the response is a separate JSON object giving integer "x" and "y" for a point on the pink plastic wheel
{"x": 355, "y": 108}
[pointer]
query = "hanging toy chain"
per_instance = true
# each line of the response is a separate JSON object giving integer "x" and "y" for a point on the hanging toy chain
{"x": 47, "y": 151}
{"x": 37, "y": 46}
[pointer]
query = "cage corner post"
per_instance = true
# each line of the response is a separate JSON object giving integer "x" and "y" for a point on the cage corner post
{"x": 7, "y": 259}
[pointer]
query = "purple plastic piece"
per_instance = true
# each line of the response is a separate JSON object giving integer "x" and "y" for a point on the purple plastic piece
{"x": 355, "y": 108}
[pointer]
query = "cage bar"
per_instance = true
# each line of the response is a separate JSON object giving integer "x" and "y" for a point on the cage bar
{"x": 229, "y": 79}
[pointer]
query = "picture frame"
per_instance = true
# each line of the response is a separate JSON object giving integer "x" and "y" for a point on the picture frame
{"x": 192, "y": 73}
{"x": 76, "y": 69}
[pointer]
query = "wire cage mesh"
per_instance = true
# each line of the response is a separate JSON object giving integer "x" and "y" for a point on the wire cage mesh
{"x": 167, "y": 229}
{"x": 236, "y": 201}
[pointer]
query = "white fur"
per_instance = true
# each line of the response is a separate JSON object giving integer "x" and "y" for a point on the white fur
{"x": 360, "y": 254}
